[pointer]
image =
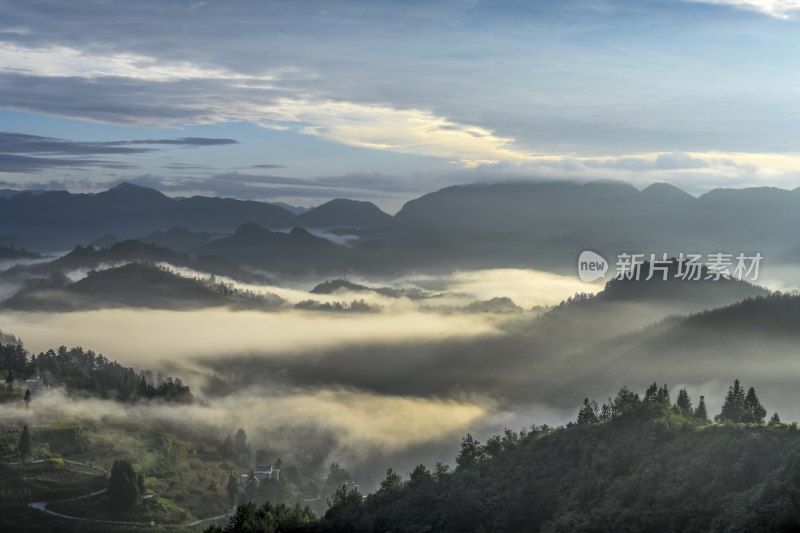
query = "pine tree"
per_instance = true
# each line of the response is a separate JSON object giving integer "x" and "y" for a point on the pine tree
{"x": 651, "y": 394}
{"x": 626, "y": 400}
{"x": 755, "y": 411}
{"x": 701, "y": 413}
{"x": 775, "y": 420}
{"x": 605, "y": 411}
{"x": 684, "y": 403}
{"x": 25, "y": 446}
{"x": 733, "y": 408}
{"x": 662, "y": 396}
{"x": 588, "y": 413}
{"x": 471, "y": 452}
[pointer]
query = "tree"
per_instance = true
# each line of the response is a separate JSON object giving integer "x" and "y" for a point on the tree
{"x": 605, "y": 411}
{"x": 25, "y": 446}
{"x": 9, "y": 380}
{"x": 755, "y": 411}
{"x": 345, "y": 510}
{"x": 125, "y": 486}
{"x": 662, "y": 396}
{"x": 232, "y": 488}
{"x": 588, "y": 412}
{"x": 684, "y": 403}
{"x": 775, "y": 420}
{"x": 392, "y": 481}
{"x": 701, "y": 413}
{"x": 651, "y": 394}
{"x": 470, "y": 454}
{"x": 733, "y": 408}
{"x": 625, "y": 401}
{"x": 27, "y": 398}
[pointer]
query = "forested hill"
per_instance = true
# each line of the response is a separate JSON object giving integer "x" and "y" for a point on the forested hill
{"x": 636, "y": 465}
{"x": 80, "y": 372}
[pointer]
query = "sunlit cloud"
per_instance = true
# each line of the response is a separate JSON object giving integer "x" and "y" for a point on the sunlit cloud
{"x": 409, "y": 131}
{"x": 175, "y": 337}
{"x": 259, "y": 99}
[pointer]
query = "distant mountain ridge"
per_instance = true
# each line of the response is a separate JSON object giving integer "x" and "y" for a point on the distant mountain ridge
{"x": 542, "y": 224}
{"x": 57, "y": 220}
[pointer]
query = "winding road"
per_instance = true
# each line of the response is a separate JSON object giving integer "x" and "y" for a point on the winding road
{"x": 42, "y": 506}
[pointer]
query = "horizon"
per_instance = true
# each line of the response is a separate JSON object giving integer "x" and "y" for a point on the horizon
{"x": 398, "y": 207}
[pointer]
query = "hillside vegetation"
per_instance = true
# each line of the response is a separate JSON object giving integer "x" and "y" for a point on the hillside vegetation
{"x": 636, "y": 464}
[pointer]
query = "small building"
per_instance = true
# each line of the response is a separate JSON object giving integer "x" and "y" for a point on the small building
{"x": 260, "y": 474}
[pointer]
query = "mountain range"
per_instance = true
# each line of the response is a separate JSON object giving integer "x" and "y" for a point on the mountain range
{"x": 531, "y": 224}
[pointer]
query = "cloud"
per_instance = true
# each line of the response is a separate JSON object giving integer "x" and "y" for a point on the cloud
{"x": 362, "y": 431}
{"x": 64, "y": 61}
{"x": 183, "y": 141}
{"x": 19, "y": 163}
{"x": 382, "y": 127}
{"x": 265, "y": 166}
{"x": 14, "y": 148}
{"x": 19, "y": 143}
{"x": 782, "y": 9}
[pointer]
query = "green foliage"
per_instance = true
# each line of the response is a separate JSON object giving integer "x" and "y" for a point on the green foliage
{"x": 269, "y": 518}
{"x": 85, "y": 371}
{"x": 647, "y": 466}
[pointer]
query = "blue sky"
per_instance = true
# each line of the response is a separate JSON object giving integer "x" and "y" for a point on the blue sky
{"x": 304, "y": 101}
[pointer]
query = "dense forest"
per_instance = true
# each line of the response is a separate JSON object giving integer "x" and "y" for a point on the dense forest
{"x": 633, "y": 464}
{"x": 81, "y": 371}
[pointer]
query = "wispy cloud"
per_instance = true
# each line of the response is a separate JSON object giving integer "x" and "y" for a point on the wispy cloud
{"x": 782, "y": 9}
{"x": 30, "y": 153}
{"x": 10, "y": 163}
{"x": 375, "y": 126}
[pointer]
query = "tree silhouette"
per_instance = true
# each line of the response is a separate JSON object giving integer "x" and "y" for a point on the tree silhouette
{"x": 684, "y": 403}
{"x": 25, "y": 446}
{"x": 471, "y": 452}
{"x": 27, "y": 398}
{"x": 626, "y": 400}
{"x": 755, "y": 411}
{"x": 733, "y": 408}
{"x": 125, "y": 486}
{"x": 701, "y": 413}
{"x": 588, "y": 412}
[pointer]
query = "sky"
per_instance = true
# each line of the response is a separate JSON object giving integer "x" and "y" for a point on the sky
{"x": 303, "y": 101}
